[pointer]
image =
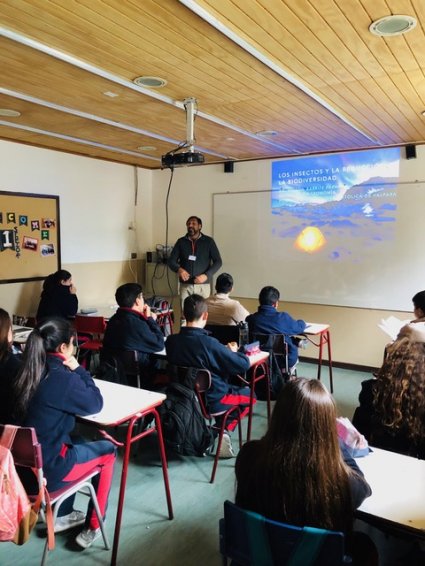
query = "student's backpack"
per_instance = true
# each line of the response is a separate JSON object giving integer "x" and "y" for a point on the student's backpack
{"x": 183, "y": 425}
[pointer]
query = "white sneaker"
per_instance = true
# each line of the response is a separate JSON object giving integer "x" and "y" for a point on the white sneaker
{"x": 87, "y": 537}
{"x": 226, "y": 448}
{"x": 73, "y": 519}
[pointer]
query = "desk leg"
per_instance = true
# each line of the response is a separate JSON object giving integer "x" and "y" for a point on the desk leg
{"x": 158, "y": 427}
{"x": 321, "y": 342}
{"x": 328, "y": 339}
{"x": 124, "y": 472}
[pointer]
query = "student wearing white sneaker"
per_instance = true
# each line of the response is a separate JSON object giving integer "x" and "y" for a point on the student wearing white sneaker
{"x": 49, "y": 391}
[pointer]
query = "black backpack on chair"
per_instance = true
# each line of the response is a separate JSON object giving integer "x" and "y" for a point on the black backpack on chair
{"x": 184, "y": 428}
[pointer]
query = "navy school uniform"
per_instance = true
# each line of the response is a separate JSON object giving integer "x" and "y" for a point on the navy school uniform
{"x": 193, "y": 347}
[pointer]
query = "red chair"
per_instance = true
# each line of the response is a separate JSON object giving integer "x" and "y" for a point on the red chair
{"x": 93, "y": 327}
{"x": 201, "y": 379}
{"x": 26, "y": 452}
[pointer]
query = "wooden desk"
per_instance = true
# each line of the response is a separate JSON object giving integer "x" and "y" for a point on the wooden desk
{"x": 127, "y": 405}
{"x": 323, "y": 332}
{"x": 398, "y": 492}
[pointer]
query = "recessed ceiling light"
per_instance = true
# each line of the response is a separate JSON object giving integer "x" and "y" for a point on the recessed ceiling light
{"x": 230, "y": 139}
{"x": 423, "y": 113}
{"x": 10, "y": 113}
{"x": 392, "y": 25}
{"x": 267, "y": 133}
{"x": 150, "y": 82}
{"x": 146, "y": 148}
{"x": 111, "y": 94}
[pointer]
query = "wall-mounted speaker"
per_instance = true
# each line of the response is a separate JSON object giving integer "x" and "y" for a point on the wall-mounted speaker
{"x": 411, "y": 151}
{"x": 228, "y": 166}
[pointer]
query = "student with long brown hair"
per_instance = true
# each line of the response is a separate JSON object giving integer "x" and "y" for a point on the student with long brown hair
{"x": 391, "y": 414}
{"x": 297, "y": 473}
{"x": 9, "y": 365}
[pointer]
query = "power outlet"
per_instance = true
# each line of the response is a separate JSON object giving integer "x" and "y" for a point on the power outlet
{"x": 133, "y": 255}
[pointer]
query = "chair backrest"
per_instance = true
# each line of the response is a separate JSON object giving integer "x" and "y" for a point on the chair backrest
{"x": 26, "y": 449}
{"x": 224, "y": 333}
{"x": 90, "y": 324}
{"x": 274, "y": 344}
{"x": 126, "y": 362}
{"x": 20, "y": 320}
{"x": 249, "y": 538}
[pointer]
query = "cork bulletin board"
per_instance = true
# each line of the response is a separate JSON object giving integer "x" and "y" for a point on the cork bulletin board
{"x": 29, "y": 236}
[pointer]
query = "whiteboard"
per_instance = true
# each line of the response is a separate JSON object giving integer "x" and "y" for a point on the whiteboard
{"x": 379, "y": 266}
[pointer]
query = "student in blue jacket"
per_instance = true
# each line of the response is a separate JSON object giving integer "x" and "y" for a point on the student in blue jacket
{"x": 268, "y": 320}
{"x": 193, "y": 347}
{"x": 49, "y": 391}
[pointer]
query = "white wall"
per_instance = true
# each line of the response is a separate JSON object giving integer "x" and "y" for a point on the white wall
{"x": 96, "y": 198}
{"x": 97, "y": 207}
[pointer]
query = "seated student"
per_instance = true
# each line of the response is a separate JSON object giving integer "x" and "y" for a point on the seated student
{"x": 267, "y": 320}
{"x": 297, "y": 473}
{"x": 9, "y": 365}
{"x": 391, "y": 414}
{"x": 221, "y": 308}
{"x": 193, "y": 347}
{"x": 49, "y": 391}
{"x": 59, "y": 296}
{"x": 419, "y": 307}
{"x": 134, "y": 327}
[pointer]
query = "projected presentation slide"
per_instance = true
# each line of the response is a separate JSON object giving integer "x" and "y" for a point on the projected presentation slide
{"x": 339, "y": 229}
{"x": 342, "y": 204}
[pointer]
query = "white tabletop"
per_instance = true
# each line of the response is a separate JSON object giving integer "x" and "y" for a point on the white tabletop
{"x": 315, "y": 328}
{"x": 398, "y": 488}
{"x": 121, "y": 402}
{"x": 106, "y": 311}
{"x": 20, "y": 333}
{"x": 258, "y": 357}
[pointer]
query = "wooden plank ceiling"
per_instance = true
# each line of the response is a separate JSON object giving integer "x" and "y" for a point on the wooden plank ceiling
{"x": 349, "y": 89}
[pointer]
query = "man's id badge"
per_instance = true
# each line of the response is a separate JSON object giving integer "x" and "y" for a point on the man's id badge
{"x": 192, "y": 257}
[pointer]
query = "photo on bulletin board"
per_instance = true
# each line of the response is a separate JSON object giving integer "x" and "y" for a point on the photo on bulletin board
{"x": 29, "y": 236}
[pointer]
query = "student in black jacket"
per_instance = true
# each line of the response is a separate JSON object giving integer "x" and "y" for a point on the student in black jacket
{"x": 9, "y": 366}
{"x": 59, "y": 296}
{"x": 391, "y": 414}
{"x": 297, "y": 473}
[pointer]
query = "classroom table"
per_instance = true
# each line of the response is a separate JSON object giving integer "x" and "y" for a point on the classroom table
{"x": 164, "y": 317}
{"x": 20, "y": 333}
{"x": 127, "y": 405}
{"x": 397, "y": 502}
{"x": 322, "y": 331}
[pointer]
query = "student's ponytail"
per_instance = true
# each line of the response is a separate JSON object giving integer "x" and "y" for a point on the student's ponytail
{"x": 28, "y": 378}
{"x": 46, "y": 337}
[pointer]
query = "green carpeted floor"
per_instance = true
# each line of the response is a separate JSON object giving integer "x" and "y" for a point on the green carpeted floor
{"x": 148, "y": 538}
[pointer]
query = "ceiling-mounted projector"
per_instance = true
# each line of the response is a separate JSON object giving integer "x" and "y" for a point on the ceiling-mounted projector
{"x": 178, "y": 158}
